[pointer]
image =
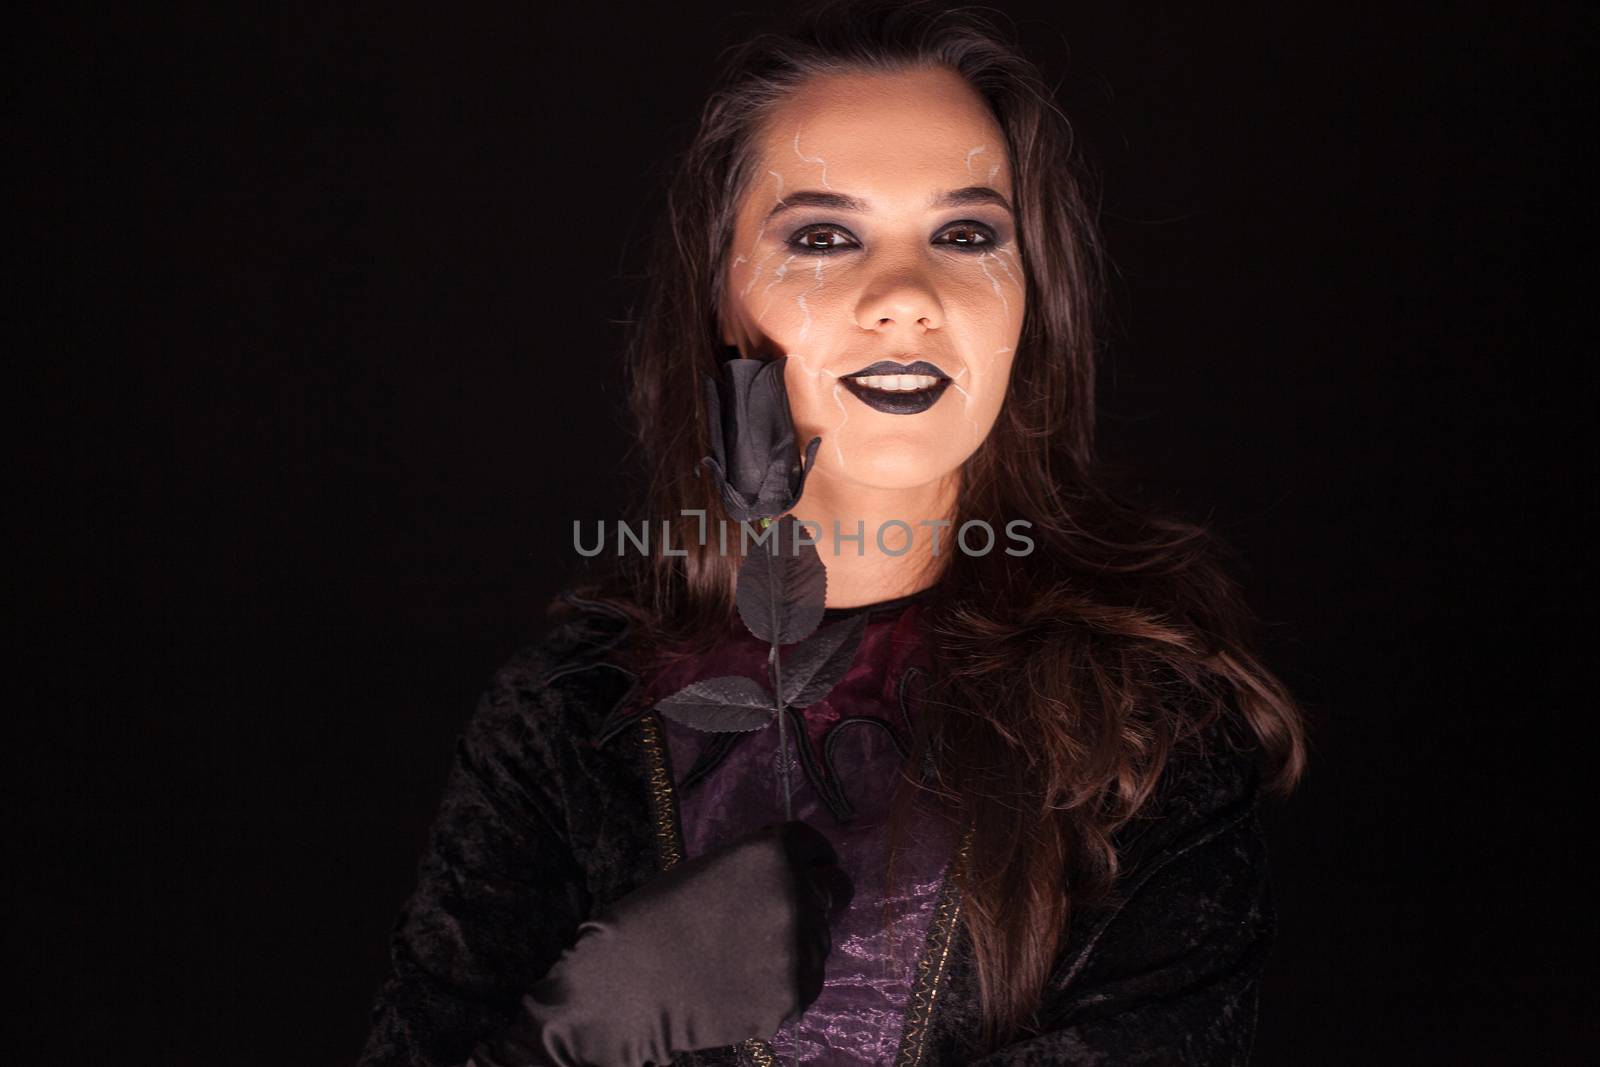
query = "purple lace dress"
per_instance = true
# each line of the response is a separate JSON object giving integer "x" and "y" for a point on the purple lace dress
{"x": 842, "y": 775}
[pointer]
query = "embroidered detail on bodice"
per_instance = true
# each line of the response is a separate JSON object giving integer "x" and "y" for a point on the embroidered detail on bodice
{"x": 846, "y": 753}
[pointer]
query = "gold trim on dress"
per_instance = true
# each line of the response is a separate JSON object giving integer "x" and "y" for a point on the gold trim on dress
{"x": 760, "y": 1052}
{"x": 669, "y": 843}
{"x": 933, "y": 963}
{"x": 663, "y": 802}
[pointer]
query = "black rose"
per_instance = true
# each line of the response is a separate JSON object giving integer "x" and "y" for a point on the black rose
{"x": 752, "y": 440}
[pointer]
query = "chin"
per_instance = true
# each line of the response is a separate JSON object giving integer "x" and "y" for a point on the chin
{"x": 898, "y": 462}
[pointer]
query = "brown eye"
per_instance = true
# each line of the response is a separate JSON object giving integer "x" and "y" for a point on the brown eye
{"x": 803, "y": 240}
{"x": 970, "y": 235}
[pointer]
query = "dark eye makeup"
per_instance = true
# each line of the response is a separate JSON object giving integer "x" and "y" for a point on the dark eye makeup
{"x": 974, "y": 237}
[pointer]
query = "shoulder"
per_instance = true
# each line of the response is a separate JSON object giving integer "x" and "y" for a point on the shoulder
{"x": 566, "y": 681}
{"x": 1196, "y": 838}
{"x": 1210, "y": 788}
{"x": 1192, "y": 868}
{"x": 1213, "y": 773}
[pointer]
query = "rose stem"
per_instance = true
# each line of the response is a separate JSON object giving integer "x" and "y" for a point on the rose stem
{"x": 783, "y": 733}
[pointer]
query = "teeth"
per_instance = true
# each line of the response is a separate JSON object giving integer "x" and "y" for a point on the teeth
{"x": 897, "y": 383}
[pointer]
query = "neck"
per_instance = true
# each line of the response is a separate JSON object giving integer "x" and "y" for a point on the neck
{"x": 860, "y": 571}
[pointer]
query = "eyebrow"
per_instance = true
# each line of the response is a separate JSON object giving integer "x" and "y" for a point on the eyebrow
{"x": 972, "y": 194}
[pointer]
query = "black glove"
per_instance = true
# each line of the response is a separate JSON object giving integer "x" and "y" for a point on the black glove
{"x": 719, "y": 949}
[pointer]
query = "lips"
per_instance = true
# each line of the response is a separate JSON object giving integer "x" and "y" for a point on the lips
{"x": 889, "y": 366}
{"x": 894, "y": 388}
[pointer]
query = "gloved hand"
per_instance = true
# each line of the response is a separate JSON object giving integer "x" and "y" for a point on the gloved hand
{"x": 719, "y": 949}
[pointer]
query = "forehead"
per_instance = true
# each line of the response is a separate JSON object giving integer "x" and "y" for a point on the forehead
{"x": 885, "y": 130}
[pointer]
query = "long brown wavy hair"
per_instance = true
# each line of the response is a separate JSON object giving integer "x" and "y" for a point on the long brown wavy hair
{"x": 1064, "y": 678}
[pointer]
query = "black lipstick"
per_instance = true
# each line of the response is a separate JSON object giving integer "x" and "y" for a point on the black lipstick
{"x": 898, "y": 402}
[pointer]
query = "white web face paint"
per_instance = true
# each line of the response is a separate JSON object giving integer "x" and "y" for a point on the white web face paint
{"x": 1011, "y": 255}
{"x": 805, "y": 364}
{"x": 983, "y": 263}
{"x": 985, "y": 257}
{"x": 812, "y": 159}
{"x": 966, "y": 411}
{"x": 777, "y": 276}
{"x": 761, "y": 231}
{"x": 817, "y": 374}
{"x": 805, "y": 325}
{"x": 994, "y": 168}
{"x": 844, "y": 417}
{"x": 967, "y": 400}
{"x": 755, "y": 272}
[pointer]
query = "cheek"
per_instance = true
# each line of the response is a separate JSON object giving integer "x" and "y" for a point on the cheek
{"x": 992, "y": 327}
{"x": 997, "y": 384}
{"x": 989, "y": 295}
{"x": 811, "y": 401}
{"x": 993, "y": 300}
{"x": 797, "y": 303}
{"x": 1002, "y": 270}
{"x": 789, "y": 296}
{"x": 981, "y": 393}
{"x": 821, "y": 407}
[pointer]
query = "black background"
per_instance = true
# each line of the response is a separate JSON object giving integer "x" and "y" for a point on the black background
{"x": 321, "y": 312}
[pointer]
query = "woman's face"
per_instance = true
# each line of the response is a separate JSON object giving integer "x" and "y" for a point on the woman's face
{"x": 880, "y": 229}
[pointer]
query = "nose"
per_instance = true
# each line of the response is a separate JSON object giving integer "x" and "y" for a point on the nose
{"x": 901, "y": 298}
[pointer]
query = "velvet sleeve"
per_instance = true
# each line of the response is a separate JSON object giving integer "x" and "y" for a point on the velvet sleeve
{"x": 1172, "y": 974}
{"x": 498, "y": 895}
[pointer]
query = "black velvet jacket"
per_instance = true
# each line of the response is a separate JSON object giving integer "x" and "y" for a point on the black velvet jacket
{"x": 561, "y": 801}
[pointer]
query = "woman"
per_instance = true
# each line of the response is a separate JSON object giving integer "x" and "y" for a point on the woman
{"x": 1008, "y": 814}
